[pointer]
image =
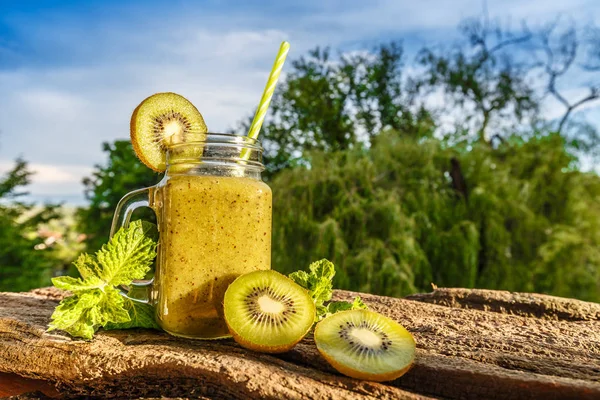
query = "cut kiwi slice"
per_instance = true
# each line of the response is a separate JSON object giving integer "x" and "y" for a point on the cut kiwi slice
{"x": 365, "y": 345}
{"x": 268, "y": 312}
{"x": 161, "y": 121}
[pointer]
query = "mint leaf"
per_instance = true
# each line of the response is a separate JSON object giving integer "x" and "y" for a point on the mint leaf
{"x": 73, "y": 315}
{"x": 319, "y": 283}
{"x": 320, "y": 280}
{"x": 337, "y": 306}
{"x": 111, "y": 308}
{"x": 322, "y": 269}
{"x": 300, "y": 277}
{"x": 150, "y": 230}
{"x": 321, "y": 312}
{"x": 77, "y": 284}
{"x": 127, "y": 256}
{"x": 86, "y": 265}
{"x": 97, "y": 301}
{"x": 140, "y": 316}
{"x": 322, "y": 290}
{"x": 358, "y": 304}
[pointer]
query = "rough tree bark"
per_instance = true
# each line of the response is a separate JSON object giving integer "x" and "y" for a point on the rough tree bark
{"x": 475, "y": 344}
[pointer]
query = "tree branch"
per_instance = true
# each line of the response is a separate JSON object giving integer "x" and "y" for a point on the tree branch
{"x": 594, "y": 95}
{"x": 568, "y": 51}
{"x": 512, "y": 41}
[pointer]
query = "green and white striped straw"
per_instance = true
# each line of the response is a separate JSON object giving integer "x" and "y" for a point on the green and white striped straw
{"x": 263, "y": 106}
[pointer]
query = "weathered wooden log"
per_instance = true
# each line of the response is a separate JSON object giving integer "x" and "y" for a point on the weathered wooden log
{"x": 525, "y": 304}
{"x": 462, "y": 353}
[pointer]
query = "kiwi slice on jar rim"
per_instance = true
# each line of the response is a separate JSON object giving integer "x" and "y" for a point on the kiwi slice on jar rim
{"x": 163, "y": 121}
{"x": 365, "y": 345}
{"x": 268, "y": 312}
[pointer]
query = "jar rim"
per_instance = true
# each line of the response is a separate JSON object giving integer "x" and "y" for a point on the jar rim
{"x": 217, "y": 149}
{"x": 222, "y": 138}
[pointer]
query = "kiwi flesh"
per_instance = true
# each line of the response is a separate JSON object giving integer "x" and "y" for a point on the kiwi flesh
{"x": 268, "y": 312}
{"x": 365, "y": 345}
{"x": 161, "y": 121}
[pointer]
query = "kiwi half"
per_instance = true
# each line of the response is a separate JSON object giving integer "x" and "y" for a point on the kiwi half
{"x": 365, "y": 345}
{"x": 160, "y": 121}
{"x": 268, "y": 312}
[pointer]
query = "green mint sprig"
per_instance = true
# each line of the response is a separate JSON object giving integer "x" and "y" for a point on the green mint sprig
{"x": 319, "y": 283}
{"x": 97, "y": 301}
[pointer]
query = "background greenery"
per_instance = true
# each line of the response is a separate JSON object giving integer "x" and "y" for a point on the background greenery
{"x": 21, "y": 266}
{"x": 399, "y": 193}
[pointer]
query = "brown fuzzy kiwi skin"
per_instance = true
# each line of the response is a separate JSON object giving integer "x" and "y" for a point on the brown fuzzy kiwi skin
{"x": 353, "y": 373}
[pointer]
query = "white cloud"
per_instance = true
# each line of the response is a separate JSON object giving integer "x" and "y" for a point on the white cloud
{"x": 53, "y": 181}
{"x": 66, "y": 112}
{"x": 58, "y": 174}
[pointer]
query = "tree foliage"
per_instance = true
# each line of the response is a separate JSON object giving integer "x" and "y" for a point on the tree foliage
{"x": 122, "y": 174}
{"x": 335, "y": 105}
{"x": 414, "y": 207}
{"x": 393, "y": 225}
{"x": 22, "y": 267}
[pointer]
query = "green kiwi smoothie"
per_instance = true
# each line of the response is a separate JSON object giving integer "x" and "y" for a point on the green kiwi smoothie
{"x": 212, "y": 229}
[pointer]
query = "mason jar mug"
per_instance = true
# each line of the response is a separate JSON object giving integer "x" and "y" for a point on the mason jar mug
{"x": 214, "y": 221}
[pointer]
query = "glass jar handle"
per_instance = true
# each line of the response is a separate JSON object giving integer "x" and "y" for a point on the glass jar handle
{"x": 125, "y": 208}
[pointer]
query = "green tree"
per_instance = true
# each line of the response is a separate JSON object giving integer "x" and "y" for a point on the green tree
{"x": 483, "y": 76}
{"x": 332, "y": 105}
{"x": 22, "y": 267}
{"x": 122, "y": 173}
{"x": 412, "y": 208}
{"x": 393, "y": 225}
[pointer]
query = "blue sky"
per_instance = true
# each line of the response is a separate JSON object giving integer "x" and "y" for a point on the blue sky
{"x": 71, "y": 72}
